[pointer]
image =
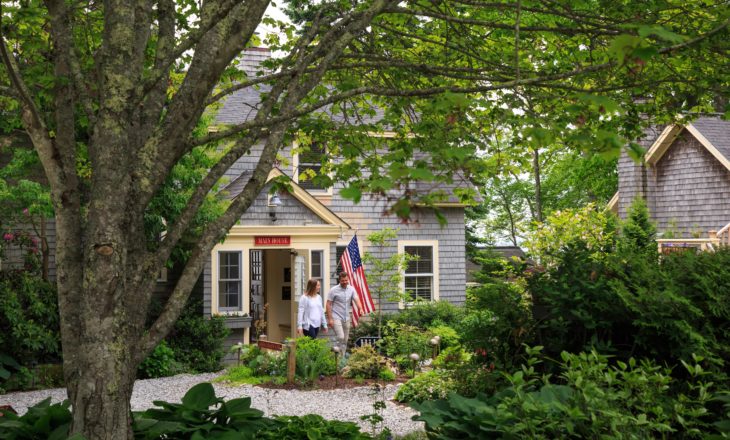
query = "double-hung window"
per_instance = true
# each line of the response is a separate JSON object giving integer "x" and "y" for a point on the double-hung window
{"x": 339, "y": 250}
{"x": 420, "y": 278}
{"x": 317, "y": 265}
{"x": 310, "y": 165}
{"x": 229, "y": 281}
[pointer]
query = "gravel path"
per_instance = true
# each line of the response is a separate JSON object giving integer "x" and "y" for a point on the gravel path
{"x": 343, "y": 404}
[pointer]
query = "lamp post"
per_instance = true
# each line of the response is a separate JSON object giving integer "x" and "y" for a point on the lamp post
{"x": 415, "y": 358}
{"x": 336, "y": 349}
{"x": 435, "y": 341}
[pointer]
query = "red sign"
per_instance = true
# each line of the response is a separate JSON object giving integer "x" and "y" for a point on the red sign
{"x": 272, "y": 240}
{"x": 271, "y": 345}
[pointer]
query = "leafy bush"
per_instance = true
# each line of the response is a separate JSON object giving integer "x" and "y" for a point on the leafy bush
{"x": 267, "y": 363}
{"x": 577, "y": 306}
{"x": 452, "y": 358}
{"x": 426, "y": 386}
{"x": 194, "y": 417}
{"x": 29, "y": 320}
{"x": 198, "y": 341}
{"x": 314, "y": 357}
{"x": 591, "y": 399}
{"x": 498, "y": 321}
{"x": 311, "y": 426}
{"x": 160, "y": 363}
{"x": 449, "y": 336}
{"x": 199, "y": 415}
{"x": 400, "y": 340}
{"x": 429, "y": 314}
{"x": 387, "y": 375}
{"x": 43, "y": 420}
{"x": 364, "y": 362}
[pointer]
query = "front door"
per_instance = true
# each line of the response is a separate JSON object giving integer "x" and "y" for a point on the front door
{"x": 299, "y": 278}
{"x": 257, "y": 285}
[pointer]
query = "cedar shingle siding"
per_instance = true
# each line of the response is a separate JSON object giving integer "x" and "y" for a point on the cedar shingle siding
{"x": 688, "y": 189}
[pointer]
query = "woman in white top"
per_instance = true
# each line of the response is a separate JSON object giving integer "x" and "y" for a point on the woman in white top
{"x": 311, "y": 313}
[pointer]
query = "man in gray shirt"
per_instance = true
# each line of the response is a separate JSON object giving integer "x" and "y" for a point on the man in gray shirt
{"x": 339, "y": 308}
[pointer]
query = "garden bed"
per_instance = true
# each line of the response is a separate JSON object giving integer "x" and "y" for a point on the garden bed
{"x": 332, "y": 383}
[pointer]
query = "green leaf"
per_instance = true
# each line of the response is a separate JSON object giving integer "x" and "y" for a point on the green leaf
{"x": 635, "y": 151}
{"x": 421, "y": 174}
{"x": 200, "y": 397}
{"x": 660, "y": 32}
{"x": 622, "y": 46}
{"x": 351, "y": 193}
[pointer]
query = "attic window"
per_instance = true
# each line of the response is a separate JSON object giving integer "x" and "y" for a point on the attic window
{"x": 310, "y": 165}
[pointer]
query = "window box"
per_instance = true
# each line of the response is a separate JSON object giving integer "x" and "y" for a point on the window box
{"x": 233, "y": 321}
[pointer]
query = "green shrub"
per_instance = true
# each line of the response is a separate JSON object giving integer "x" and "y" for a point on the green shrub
{"x": 43, "y": 420}
{"x": 498, "y": 321}
{"x": 201, "y": 414}
{"x": 426, "y": 386}
{"x": 314, "y": 357}
{"x": 452, "y": 358}
{"x": 198, "y": 341}
{"x": 449, "y": 336}
{"x": 267, "y": 363}
{"x": 160, "y": 363}
{"x": 387, "y": 375}
{"x": 429, "y": 314}
{"x": 311, "y": 426}
{"x": 29, "y": 320}
{"x": 590, "y": 399}
{"x": 364, "y": 362}
{"x": 400, "y": 340}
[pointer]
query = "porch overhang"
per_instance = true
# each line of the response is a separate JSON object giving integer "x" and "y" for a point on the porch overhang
{"x": 329, "y": 232}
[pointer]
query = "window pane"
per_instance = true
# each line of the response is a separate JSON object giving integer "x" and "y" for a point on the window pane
{"x": 229, "y": 281}
{"x": 338, "y": 254}
{"x": 424, "y": 263}
{"x": 419, "y": 287}
{"x": 311, "y": 160}
{"x": 316, "y": 268}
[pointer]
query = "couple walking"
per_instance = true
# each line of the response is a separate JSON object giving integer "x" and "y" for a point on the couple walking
{"x": 340, "y": 300}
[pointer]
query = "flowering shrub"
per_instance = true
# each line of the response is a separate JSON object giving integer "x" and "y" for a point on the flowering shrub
{"x": 590, "y": 225}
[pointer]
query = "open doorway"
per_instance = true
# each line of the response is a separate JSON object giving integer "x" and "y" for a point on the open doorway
{"x": 278, "y": 278}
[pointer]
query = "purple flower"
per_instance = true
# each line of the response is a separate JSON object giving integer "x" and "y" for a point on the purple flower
{"x": 8, "y": 236}
{"x": 25, "y": 211}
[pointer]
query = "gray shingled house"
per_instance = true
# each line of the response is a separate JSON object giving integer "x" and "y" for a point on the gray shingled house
{"x": 685, "y": 180}
{"x": 282, "y": 241}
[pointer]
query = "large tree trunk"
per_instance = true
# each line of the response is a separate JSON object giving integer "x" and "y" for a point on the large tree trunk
{"x": 101, "y": 395}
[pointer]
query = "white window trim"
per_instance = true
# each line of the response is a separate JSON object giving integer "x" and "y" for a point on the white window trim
{"x": 295, "y": 174}
{"x": 434, "y": 244}
{"x": 215, "y": 283}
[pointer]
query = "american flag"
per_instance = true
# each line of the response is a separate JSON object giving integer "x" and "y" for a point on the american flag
{"x": 352, "y": 265}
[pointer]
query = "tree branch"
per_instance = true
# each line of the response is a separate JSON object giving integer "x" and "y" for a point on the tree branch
{"x": 212, "y": 234}
{"x": 211, "y": 18}
{"x": 494, "y": 24}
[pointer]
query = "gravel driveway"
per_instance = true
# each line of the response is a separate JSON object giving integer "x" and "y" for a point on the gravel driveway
{"x": 342, "y": 404}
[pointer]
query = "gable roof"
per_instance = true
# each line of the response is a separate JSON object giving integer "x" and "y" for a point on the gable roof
{"x": 234, "y": 188}
{"x": 712, "y": 132}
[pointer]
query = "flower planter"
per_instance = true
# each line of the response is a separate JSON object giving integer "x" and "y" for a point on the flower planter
{"x": 238, "y": 321}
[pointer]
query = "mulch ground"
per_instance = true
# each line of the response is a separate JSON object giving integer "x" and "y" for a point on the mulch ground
{"x": 332, "y": 383}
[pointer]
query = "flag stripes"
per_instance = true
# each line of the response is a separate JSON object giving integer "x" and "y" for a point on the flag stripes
{"x": 352, "y": 265}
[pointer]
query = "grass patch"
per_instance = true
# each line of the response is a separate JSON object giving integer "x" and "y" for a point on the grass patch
{"x": 243, "y": 375}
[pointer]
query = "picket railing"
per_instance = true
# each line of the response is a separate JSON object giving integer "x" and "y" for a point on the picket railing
{"x": 714, "y": 240}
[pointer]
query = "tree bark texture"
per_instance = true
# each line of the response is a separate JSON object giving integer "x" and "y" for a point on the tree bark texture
{"x": 137, "y": 133}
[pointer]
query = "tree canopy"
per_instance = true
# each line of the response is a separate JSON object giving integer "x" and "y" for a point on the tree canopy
{"x": 111, "y": 95}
